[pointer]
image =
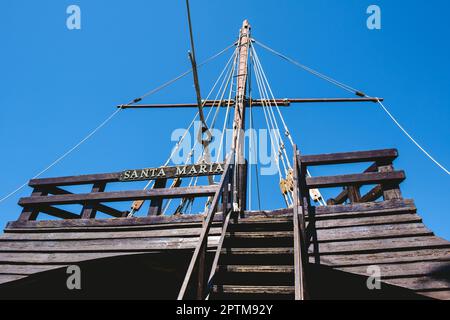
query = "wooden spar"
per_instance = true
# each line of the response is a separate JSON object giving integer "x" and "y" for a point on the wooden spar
{"x": 239, "y": 115}
{"x": 255, "y": 103}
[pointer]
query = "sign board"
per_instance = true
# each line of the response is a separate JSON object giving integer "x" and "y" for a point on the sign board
{"x": 195, "y": 170}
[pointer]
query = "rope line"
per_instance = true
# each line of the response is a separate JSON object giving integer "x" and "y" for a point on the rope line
{"x": 359, "y": 93}
{"x": 109, "y": 118}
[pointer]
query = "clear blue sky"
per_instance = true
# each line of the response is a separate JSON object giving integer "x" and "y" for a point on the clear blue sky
{"x": 57, "y": 85}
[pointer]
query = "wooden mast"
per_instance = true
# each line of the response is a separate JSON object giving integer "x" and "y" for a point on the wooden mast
{"x": 239, "y": 115}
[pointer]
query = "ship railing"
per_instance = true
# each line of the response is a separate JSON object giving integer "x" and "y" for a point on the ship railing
{"x": 56, "y": 198}
{"x": 380, "y": 173}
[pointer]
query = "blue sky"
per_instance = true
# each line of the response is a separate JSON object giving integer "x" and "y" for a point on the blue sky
{"x": 58, "y": 84}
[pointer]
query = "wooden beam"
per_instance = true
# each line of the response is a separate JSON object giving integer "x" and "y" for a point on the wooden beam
{"x": 349, "y": 157}
{"x": 255, "y": 103}
{"x": 352, "y": 179}
{"x": 76, "y": 180}
{"x": 90, "y": 210}
{"x": 100, "y": 207}
{"x": 200, "y": 191}
{"x": 156, "y": 204}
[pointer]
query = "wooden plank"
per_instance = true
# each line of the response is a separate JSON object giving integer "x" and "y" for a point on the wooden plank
{"x": 152, "y": 233}
{"x": 419, "y": 283}
{"x": 359, "y": 178}
{"x": 371, "y": 207}
{"x": 61, "y": 258}
{"x": 349, "y": 157}
{"x": 378, "y": 258}
{"x": 422, "y": 268}
{"x": 107, "y": 223}
{"x": 4, "y": 278}
{"x": 76, "y": 180}
{"x": 27, "y": 269}
{"x": 256, "y": 269}
{"x": 368, "y": 221}
{"x": 383, "y": 245}
{"x": 436, "y": 294}
{"x": 233, "y": 289}
{"x": 373, "y": 232}
{"x": 198, "y": 191}
{"x": 102, "y": 245}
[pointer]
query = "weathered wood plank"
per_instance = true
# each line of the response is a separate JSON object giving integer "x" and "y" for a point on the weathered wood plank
{"x": 436, "y": 294}
{"x": 373, "y": 232}
{"x": 368, "y": 221}
{"x": 419, "y": 283}
{"x": 359, "y": 178}
{"x": 27, "y": 269}
{"x": 151, "y": 233}
{"x": 132, "y": 221}
{"x": 233, "y": 289}
{"x": 383, "y": 245}
{"x": 423, "y": 268}
{"x": 102, "y": 245}
{"x": 378, "y": 258}
{"x": 371, "y": 207}
{"x": 349, "y": 157}
{"x": 198, "y": 191}
{"x": 4, "y": 278}
{"x": 256, "y": 269}
{"x": 76, "y": 180}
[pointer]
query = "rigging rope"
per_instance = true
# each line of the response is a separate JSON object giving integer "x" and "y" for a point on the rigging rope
{"x": 109, "y": 118}
{"x": 359, "y": 93}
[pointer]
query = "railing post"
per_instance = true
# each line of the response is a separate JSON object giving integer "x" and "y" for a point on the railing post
{"x": 300, "y": 252}
{"x": 354, "y": 194}
{"x": 156, "y": 204}
{"x": 390, "y": 190}
{"x": 31, "y": 213}
{"x": 90, "y": 210}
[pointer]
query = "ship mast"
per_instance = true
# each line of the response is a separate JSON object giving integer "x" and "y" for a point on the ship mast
{"x": 239, "y": 116}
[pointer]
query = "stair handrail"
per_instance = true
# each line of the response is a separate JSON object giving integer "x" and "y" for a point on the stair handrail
{"x": 300, "y": 203}
{"x": 199, "y": 256}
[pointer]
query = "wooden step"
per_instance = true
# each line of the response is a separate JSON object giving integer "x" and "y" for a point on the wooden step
{"x": 270, "y": 290}
{"x": 256, "y": 268}
{"x": 257, "y": 256}
{"x": 257, "y": 251}
{"x": 259, "y": 234}
{"x": 261, "y": 225}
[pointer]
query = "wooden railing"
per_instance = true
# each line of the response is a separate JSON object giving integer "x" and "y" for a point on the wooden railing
{"x": 197, "y": 266}
{"x": 381, "y": 173}
{"x": 301, "y": 202}
{"x": 49, "y": 193}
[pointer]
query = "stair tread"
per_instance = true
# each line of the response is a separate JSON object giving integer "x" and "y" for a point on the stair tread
{"x": 258, "y": 251}
{"x": 253, "y": 289}
{"x": 259, "y": 234}
{"x": 257, "y": 268}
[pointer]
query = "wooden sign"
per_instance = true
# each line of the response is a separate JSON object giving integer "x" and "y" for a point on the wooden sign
{"x": 195, "y": 170}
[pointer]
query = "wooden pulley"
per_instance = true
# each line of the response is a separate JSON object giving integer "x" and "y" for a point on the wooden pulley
{"x": 283, "y": 186}
{"x": 290, "y": 181}
{"x": 315, "y": 194}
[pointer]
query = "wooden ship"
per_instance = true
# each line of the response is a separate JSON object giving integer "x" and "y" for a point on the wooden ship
{"x": 310, "y": 249}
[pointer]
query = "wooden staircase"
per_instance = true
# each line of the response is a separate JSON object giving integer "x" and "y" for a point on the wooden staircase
{"x": 256, "y": 261}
